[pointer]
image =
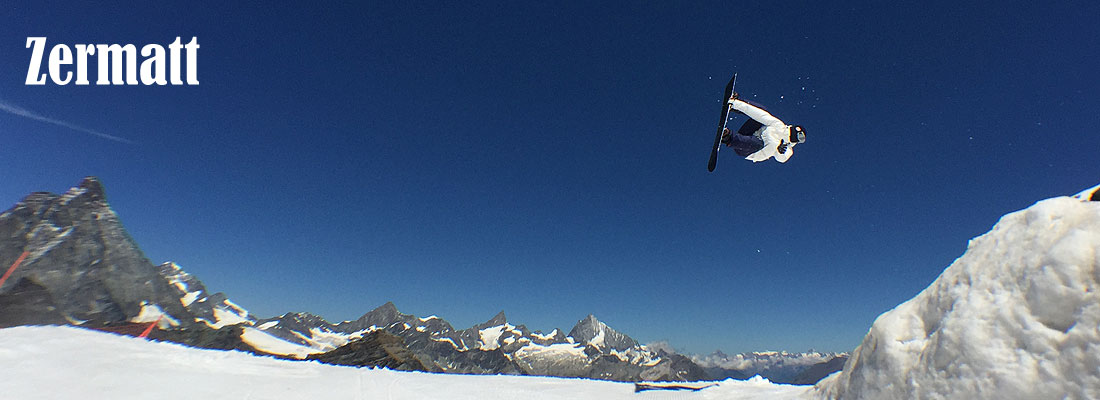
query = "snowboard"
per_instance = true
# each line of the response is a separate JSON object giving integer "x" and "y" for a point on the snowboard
{"x": 721, "y": 124}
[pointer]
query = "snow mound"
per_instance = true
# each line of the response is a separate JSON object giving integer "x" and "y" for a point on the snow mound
{"x": 1016, "y": 317}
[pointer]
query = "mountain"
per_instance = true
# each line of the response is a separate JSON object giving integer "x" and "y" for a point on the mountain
{"x": 593, "y": 332}
{"x": 28, "y": 303}
{"x": 87, "y": 266}
{"x": 214, "y": 310}
{"x": 496, "y": 346}
{"x": 776, "y": 366}
{"x": 82, "y": 268}
{"x": 1017, "y": 316}
{"x": 815, "y": 373}
{"x": 379, "y": 349}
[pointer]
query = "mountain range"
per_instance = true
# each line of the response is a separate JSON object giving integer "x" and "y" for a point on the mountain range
{"x": 80, "y": 267}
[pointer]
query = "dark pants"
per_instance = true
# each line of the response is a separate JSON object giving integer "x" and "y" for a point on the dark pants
{"x": 745, "y": 145}
{"x": 745, "y": 142}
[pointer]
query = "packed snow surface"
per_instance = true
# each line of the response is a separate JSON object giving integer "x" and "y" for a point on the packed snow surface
{"x": 73, "y": 363}
{"x": 1016, "y": 317}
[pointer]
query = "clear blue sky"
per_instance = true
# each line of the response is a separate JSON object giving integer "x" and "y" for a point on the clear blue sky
{"x": 549, "y": 160}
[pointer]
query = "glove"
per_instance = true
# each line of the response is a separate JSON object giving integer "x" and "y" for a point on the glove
{"x": 782, "y": 147}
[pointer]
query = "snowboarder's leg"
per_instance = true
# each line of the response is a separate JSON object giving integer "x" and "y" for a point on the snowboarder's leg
{"x": 745, "y": 145}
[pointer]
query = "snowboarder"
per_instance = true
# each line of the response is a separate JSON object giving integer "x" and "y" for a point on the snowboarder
{"x": 762, "y": 136}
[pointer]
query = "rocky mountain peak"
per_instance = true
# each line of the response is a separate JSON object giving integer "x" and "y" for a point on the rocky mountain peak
{"x": 381, "y": 316}
{"x": 587, "y": 324}
{"x": 92, "y": 188}
{"x": 497, "y": 320}
{"x": 386, "y": 309}
{"x": 593, "y": 332}
{"x": 80, "y": 253}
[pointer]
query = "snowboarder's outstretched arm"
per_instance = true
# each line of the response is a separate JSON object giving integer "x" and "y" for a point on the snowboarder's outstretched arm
{"x": 756, "y": 113}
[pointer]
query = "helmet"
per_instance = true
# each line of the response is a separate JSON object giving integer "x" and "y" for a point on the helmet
{"x": 798, "y": 135}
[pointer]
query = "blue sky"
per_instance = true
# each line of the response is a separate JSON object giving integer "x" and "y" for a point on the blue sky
{"x": 549, "y": 160}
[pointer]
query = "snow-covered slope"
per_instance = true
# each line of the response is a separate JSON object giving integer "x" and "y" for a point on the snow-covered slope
{"x": 1016, "y": 317}
{"x": 73, "y": 363}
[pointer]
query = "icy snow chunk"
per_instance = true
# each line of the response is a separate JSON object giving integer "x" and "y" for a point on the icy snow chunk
{"x": 1017, "y": 316}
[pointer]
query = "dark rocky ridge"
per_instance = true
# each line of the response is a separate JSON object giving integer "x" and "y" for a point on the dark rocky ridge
{"x": 377, "y": 349}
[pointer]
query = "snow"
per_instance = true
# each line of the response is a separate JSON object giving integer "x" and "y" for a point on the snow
{"x": 240, "y": 311}
{"x": 177, "y": 279}
{"x": 264, "y": 342}
{"x": 326, "y": 340}
{"x": 490, "y": 336}
{"x": 224, "y": 317}
{"x": 72, "y": 363}
{"x": 548, "y": 336}
{"x": 1017, "y": 316}
{"x": 451, "y": 341}
{"x": 189, "y": 298}
{"x": 152, "y": 312}
{"x": 556, "y": 350}
{"x": 598, "y": 339}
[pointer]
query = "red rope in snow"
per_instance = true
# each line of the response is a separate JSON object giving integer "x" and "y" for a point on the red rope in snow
{"x": 13, "y": 266}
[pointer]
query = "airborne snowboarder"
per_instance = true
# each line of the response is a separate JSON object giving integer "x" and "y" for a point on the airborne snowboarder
{"x": 762, "y": 136}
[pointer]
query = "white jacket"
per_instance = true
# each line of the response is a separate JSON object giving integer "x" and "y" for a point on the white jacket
{"x": 774, "y": 132}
